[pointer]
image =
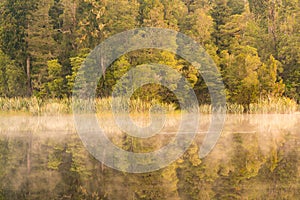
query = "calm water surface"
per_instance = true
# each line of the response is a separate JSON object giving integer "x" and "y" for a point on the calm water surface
{"x": 256, "y": 157}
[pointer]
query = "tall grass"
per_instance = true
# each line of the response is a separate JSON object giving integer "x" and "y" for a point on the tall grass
{"x": 134, "y": 105}
{"x": 31, "y": 105}
{"x": 281, "y": 105}
{"x": 271, "y": 106}
{"x": 37, "y": 106}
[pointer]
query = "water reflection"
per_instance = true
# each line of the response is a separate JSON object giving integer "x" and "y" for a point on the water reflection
{"x": 257, "y": 157}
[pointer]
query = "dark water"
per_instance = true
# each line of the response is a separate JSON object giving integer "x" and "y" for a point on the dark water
{"x": 257, "y": 157}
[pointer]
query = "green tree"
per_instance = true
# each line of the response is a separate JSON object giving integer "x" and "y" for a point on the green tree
{"x": 270, "y": 86}
{"x": 240, "y": 75}
{"x": 151, "y": 13}
{"x": 91, "y": 23}
{"x": 198, "y": 25}
{"x": 237, "y": 6}
{"x": 220, "y": 13}
{"x": 41, "y": 44}
{"x": 174, "y": 13}
{"x": 116, "y": 71}
{"x": 12, "y": 78}
{"x": 14, "y": 21}
{"x": 288, "y": 48}
{"x": 55, "y": 83}
{"x": 76, "y": 63}
{"x": 121, "y": 16}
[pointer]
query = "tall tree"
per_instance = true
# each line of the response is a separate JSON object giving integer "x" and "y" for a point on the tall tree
{"x": 90, "y": 23}
{"x": 288, "y": 47}
{"x": 15, "y": 18}
{"x": 151, "y": 13}
{"x": 41, "y": 44}
{"x": 220, "y": 14}
{"x": 240, "y": 75}
{"x": 237, "y": 6}
{"x": 12, "y": 78}
{"x": 270, "y": 83}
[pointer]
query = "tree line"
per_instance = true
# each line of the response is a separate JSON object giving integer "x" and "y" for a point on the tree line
{"x": 255, "y": 44}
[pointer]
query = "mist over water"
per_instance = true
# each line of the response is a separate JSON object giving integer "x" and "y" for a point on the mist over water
{"x": 256, "y": 157}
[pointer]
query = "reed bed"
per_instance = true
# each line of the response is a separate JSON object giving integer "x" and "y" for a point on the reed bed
{"x": 37, "y": 106}
{"x": 281, "y": 105}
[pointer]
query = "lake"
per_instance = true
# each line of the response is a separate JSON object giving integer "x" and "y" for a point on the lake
{"x": 256, "y": 157}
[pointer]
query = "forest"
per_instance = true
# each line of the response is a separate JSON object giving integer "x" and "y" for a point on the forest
{"x": 254, "y": 43}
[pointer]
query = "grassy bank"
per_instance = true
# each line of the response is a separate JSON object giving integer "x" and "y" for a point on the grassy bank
{"x": 37, "y": 106}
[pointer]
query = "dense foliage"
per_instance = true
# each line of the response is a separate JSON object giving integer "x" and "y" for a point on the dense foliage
{"x": 255, "y": 44}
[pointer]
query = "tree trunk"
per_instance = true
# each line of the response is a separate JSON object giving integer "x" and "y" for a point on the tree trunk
{"x": 29, "y": 90}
